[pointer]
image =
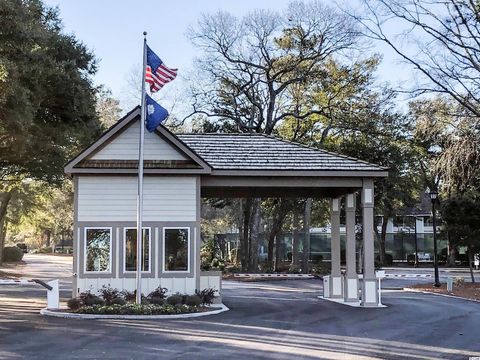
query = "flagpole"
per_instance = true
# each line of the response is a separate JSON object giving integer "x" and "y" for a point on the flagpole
{"x": 140, "y": 179}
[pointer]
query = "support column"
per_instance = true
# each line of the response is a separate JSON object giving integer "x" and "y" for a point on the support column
{"x": 336, "y": 283}
{"x": 351, "y": 277}
{"x": 369, "y": 284}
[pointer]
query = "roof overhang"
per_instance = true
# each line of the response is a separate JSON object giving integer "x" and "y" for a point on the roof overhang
{"x": 223, "y": 186}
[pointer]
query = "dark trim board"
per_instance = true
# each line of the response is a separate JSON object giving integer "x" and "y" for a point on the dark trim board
{"x": 283, "y": 192}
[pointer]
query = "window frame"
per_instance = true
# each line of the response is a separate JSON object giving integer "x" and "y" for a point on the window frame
{"x": 110, "y": 263}
{"x": 149, "y": 249}
{"x": 164, "y": 253}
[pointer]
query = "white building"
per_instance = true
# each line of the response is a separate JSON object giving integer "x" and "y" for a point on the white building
{"x": 179, "y": 170}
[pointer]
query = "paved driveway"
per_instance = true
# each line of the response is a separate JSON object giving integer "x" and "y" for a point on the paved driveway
{"x": 268, "y": 320}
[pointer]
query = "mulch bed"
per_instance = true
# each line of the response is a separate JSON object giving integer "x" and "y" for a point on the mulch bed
{"x": 467, "y": 290}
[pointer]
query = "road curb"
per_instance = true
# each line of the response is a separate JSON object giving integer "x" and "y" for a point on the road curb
{"x": 444, "y": 295}
{"x": 67, "y": 315}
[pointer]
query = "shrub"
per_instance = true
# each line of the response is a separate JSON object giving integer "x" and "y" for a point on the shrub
{"x": 131, "y": 296}
{"x": 267, "y": 267}
{"x": 156, "y": 300}
{"x": 175, "y": 299}
{"x": 193, "y": 300}
{"x": 108, "y": 294}
{"x": 411, "y": 258}
{"x": 45, "y": 250}
{"x": 74, "y": 303}
{"x": 118, "y": 301}
{"x": 458, "y": 281}
{"x": 294, "y": 269}
{"x": 12, "y": 253}
{"x": 94, "y": 300}
{"x": 135, "y": 309}
{"x": 86, "y": 295}
{"x": 207, "y": 295}
{"x": 159, "y": 292}
{"x": 233, "y": 269}
{"x": 316, "y": 258}
{"x": 388, "y": 260}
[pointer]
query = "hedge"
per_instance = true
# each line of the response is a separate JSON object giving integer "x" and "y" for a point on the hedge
{"x": 12, "y": 253}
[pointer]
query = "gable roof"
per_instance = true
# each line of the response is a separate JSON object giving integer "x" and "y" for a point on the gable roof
{"x": 225, "y": 154}
{"x": 83, "y": 162}
{"x": 264, "y": 152}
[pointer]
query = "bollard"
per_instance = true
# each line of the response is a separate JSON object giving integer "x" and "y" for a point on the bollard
{"x": 380, "y": 274}
{"x": 326, "y": 286}
{"x": 449, "y": 284}
{"x": 53, "y": 296}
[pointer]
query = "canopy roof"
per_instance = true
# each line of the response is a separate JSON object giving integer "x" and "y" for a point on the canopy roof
{"x": 263, "y": 152}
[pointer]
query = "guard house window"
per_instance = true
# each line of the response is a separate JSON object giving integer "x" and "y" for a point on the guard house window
{"x": 130, "y": 246}
{"x": 98, "y": 246}
{"x": 176, "y": 249}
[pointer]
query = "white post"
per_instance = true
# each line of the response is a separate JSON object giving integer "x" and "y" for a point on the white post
{"x": 380, "y": 275}
{"x": 53, "y": 296}
{"x": 140, "y": 180}
{"x": 336, "y": 285}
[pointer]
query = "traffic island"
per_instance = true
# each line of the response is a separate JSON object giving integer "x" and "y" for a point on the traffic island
{"x": 189, "y": 313}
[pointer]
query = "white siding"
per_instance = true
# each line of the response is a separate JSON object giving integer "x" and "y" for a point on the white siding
{"x": 114, "y": 198}
{"x": 125, "y": 147}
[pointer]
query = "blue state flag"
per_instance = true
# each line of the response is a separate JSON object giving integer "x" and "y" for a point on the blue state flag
{"x": 155, "y": 113}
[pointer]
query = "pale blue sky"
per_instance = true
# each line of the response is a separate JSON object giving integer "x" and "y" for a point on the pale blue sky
{"x": 113, "y": 30}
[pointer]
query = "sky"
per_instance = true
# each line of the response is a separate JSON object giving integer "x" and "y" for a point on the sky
{"x": 113, "y": 31}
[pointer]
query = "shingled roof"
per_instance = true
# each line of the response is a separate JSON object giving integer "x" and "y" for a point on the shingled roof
{"x": 263, "y": 152}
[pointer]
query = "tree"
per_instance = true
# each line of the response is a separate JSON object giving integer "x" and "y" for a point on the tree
{"x": 461, "y": 217}
{"x": 47, "y": 99}
{"x": 442, "y": 39}
{"x": 250, "y": 67}
{"x": 107, "y": 108}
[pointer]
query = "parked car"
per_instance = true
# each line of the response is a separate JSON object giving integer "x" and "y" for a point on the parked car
{"x": 23, "y": 246}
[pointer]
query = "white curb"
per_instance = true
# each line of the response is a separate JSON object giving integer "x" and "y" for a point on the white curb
{"x": 68, "y": 315}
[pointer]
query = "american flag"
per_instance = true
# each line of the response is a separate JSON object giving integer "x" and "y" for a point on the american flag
{"x": 157, "y": 74}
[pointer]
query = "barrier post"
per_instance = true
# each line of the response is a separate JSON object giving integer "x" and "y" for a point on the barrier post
{"x": 53, "y": 296}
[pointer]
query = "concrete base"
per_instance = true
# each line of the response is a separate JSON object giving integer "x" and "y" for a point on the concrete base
{"x": 356, "y": 304}
{"x": 369, "y": 293}
{"x": 351, "y": 289}
{"x": 336, "y": 287}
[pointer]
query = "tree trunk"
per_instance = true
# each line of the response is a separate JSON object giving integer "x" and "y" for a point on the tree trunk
{"x": 470, "y": 261}
{"x": 383, "y": 239}
{"x": 306, "y": 240}
{"x": 276, "y": 228}
{"x": 277, "y": 252}
{"x": 452, "y": 255}
{"x": 295, "y": 239}
{"x": 247, "y": 207}
{"x": 4, "y": 200}
{"x": 254, "y": 235}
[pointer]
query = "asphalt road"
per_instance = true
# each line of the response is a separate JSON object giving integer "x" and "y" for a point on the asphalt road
{"x": 267, "y": 320}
